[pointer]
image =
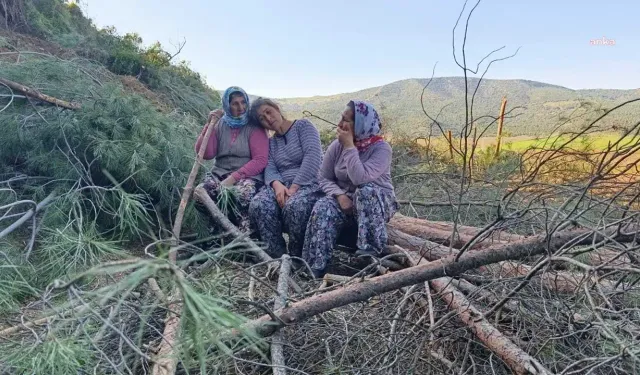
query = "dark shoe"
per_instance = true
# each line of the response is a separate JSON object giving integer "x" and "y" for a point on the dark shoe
{"x": 318, "y": 274}
{"x": 298, "y": 265}
{"x": 361, "y": 253}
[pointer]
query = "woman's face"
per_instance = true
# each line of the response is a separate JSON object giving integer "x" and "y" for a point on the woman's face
{"x": 238, "y": 105}
{"x": 347, "y": 120}
{"x": 269, "y": 117}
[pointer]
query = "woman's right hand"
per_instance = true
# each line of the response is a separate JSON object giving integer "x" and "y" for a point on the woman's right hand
{"x": 280, "y": 191}
{"x": 346, "y": 204}
{"x": 214, "y": 116}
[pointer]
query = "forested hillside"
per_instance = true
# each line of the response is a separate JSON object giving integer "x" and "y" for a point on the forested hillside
{"x": 534, "y": 108}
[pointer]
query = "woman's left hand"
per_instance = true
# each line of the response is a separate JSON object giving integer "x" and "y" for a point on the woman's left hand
{"x": 345, "y": 137}
{"x": 291, "y": 191}
{"x": 229, "y": 181}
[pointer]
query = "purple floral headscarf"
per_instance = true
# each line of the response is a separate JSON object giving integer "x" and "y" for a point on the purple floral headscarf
{"x": 367, "y": 121}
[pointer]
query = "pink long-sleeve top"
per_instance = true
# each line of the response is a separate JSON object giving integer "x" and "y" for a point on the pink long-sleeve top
{"x": 258, "y": 145}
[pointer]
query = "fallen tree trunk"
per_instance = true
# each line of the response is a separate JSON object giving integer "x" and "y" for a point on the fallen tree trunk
{"x": 608, "y": 257}
{"x": 517, "y": 359}
{"x": 414, "y": 259}
{"x": 38, "y": 95}
{"x": 427, "y": 249}
{"x": 419, "y": 229}
{"x": 559, "y": 281}
{"x": 448, "y": 266}
{"x": 441, "y": 232}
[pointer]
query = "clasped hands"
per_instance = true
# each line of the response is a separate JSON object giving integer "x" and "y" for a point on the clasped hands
{"x": 283, "y": 193}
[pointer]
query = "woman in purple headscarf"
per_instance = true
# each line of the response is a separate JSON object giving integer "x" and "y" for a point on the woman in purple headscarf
{"x": 356, "y": 179}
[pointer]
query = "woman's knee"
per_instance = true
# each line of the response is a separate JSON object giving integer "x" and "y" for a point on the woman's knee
{"x": 367, "y": 191}
{"x": 324, "y": 208}
{"x": 260, "y": 204}
{"x": 297, "y": 203}
{"x": 290, "y": 208}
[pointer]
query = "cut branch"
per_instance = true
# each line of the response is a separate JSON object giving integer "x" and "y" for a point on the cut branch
{"x": 45, "y": 202}
{"x": 203, "y": 197}
{"x": 277, "y": 352}
{"x": 165, "y": 363}
{"x": 5, "y": 333}
{"x": 38, "y": 95}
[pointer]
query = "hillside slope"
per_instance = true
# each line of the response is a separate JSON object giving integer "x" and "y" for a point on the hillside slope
{"x": 541, "y": 106}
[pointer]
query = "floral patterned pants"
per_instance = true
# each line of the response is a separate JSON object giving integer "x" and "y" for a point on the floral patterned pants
{"x": 270, "y": 221}
{"x": 373, "y": 208}
{"x": 239, "y": 213}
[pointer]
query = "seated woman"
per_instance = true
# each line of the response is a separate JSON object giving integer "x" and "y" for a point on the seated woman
{"x": 291, "y": 189}
{"x": 240, "y": 148}
{"x": 356, "y": 178}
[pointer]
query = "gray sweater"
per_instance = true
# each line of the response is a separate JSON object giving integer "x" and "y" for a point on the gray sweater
{"x": 343, "y": 171}
{"x": 295, "y": 157}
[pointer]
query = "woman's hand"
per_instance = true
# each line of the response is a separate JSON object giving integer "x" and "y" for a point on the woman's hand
{"x": 281, "y": 192}
{"x": 229, "y": 181}
{"x": 346, "y": 204}
{"x": 345, "y": 136}
{"x": 215, "y": 116}
{"x": 291, "y": 191}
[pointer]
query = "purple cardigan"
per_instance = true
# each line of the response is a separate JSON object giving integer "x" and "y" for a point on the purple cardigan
{"x": 343, "y": 171}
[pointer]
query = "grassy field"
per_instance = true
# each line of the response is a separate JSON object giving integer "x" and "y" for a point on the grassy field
{"x": 599, "y": 141}
{"x": 595, "y": 141}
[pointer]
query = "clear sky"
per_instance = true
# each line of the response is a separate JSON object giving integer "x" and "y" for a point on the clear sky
{"x": 286, "y": 48}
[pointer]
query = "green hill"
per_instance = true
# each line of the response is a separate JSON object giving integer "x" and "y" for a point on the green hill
{"x": 536, "y": 108}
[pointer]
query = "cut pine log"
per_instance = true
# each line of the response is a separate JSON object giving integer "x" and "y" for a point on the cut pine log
{"x": 559, "y": 281}
{"x": 517, "y": 359}
{"x": 441, "y": 232}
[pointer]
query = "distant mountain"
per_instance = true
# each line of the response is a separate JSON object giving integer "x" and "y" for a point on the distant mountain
{"x": 544, "y": 106}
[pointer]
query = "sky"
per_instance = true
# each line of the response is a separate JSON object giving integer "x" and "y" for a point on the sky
{"x": 293, "y": 48}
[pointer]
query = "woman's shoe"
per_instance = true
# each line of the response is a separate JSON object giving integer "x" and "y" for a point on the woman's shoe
{"x": 369, "y": 252}
{"x": 318, "y": 274}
